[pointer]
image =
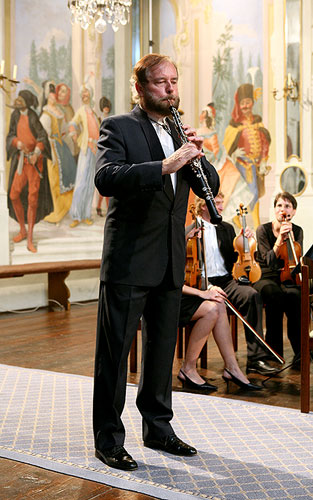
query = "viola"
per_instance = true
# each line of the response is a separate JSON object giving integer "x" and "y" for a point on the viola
{"x": 246, "y": 269}
{"x": 193, "y": 257}
{"x": 290, "y": 252}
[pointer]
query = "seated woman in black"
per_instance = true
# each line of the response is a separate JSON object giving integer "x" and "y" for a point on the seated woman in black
{"x": 279, "y": 297}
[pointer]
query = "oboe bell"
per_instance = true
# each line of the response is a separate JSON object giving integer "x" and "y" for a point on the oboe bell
{"x": 197, "y": 169}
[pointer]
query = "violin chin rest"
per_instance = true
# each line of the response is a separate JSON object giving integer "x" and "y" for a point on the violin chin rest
{"x": 243, "y": 280}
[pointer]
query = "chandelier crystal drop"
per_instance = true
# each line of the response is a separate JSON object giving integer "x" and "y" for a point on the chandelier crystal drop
{"x": 103, "y": 12}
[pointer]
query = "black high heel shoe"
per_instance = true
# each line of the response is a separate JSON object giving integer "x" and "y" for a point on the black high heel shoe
{"x": 189, "y": 384}
{"x": 242, "y": 385}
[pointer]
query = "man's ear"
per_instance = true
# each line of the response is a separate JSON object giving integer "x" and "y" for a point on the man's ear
{"x": 139, "y": 89}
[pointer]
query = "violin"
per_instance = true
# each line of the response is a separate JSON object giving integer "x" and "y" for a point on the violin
{"x": 193, "y": 256}
{"x": 246, "y": 269}
{"x": 290, "y": 252}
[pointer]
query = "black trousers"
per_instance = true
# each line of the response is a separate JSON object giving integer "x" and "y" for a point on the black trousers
{"x": 249, "y": 303}
{"x": 280, "y": 299}
{"x": 119, "y": 312}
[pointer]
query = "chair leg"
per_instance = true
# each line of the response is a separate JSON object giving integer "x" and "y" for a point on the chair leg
{"x": 180, "y": 342}
{"x": 234, "y": 331}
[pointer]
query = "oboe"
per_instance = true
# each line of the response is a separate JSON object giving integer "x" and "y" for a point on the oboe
{"x": 196, "y": 167}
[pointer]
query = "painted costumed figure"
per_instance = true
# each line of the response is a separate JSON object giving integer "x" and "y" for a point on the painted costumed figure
{"x": 233, "y": 185}
{"x": 63, "y": 97}
{"x": 247, "y": 141}
{"x": 62, "y": 167}
{"x": 28, "y": 148}
{"x": 84, "y": 129}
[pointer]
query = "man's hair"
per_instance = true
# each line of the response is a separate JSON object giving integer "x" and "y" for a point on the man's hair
{"x": 199, "y": 203}
{"x": 286, "y": 196}
{"x": 104, "y": 103}
{"x": 142, "y": 68}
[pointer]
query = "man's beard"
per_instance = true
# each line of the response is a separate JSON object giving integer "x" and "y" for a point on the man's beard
{"x": 159, "y": 105}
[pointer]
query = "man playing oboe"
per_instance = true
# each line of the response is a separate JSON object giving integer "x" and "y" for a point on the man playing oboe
{"x": 145, "y": 171}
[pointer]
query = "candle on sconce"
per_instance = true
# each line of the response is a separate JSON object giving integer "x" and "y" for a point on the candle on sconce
{"x": 289, "y": 80}
{"x": 14, "y": 72}
{"x": 2, "y": 67}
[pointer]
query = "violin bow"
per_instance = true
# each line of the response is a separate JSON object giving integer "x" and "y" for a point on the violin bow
{"x": 235, "y": 311}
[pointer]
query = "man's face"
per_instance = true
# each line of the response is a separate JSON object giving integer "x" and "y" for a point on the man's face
{"x": 246, "y": 106}
{"x": 19, "y": 103}
{"x": 284, "y": 207}
{"x": 105, "y": 111}
{"x": 85, "y": 96}
{"x": 219, "y": 202}
{"x": 160, "y": 89}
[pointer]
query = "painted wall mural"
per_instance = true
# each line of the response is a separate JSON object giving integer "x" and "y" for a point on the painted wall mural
{"x": 230, "y": 118}
{"x": 50, "y": 145}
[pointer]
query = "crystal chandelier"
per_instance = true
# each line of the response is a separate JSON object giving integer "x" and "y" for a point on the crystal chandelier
{"x": 114, "y": 12}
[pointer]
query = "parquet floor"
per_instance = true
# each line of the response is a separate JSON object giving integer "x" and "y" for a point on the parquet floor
{"x": 64, "y": 341}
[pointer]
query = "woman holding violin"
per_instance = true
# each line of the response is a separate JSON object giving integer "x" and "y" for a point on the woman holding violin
{"x": 279, "y": 250}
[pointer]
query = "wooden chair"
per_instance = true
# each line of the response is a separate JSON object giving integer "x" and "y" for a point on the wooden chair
{"x": 306, "y": 341}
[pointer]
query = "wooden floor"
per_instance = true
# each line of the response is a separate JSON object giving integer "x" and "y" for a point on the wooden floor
{"x": 64, "y": 341}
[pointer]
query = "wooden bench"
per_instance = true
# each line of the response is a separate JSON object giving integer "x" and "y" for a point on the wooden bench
{"x": 57, "y": 274}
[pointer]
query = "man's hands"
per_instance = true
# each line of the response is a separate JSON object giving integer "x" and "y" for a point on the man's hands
{"x": 186, "y": 153}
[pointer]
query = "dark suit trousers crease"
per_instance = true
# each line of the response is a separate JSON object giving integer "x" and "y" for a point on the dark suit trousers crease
{"x": 249, "y": 304}
{"x": 119, "y": 313}
{"x": 280, "y": 299}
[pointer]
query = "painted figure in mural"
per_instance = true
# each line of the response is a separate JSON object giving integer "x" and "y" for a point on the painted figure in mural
{"x": 143, "y": 259}
{"x": 278, "y": 291}
{"x": 105, "y": 108}
{"x": 63, "y": 96}
{"x": 233, "y": 185}
{"x": 28, "y": 147}
{"x": 62, "y": 166}
{"x": 84, "y": 129}
{"x": 247, "y": 141}
{"x": 41, "y": 92}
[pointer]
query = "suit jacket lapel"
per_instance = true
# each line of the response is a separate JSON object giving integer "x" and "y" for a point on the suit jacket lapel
{"x": 155, "y": 147}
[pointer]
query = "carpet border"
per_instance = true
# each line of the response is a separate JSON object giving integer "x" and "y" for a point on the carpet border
{"x": 188, "y": 394}
{"x": 114, "y": 480}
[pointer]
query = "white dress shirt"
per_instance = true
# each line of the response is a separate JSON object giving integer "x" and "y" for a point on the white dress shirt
{"x": 167, "y": 146}
{"x": 214, "y": 261}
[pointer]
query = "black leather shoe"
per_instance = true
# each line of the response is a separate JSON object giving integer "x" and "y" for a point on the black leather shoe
{"x": 172, "y": 444}
{"x": 260, "y": 367}
{"x": 117, "y": 457}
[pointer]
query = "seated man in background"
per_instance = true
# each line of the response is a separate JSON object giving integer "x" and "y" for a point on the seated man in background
{"x": 220, "y": 257}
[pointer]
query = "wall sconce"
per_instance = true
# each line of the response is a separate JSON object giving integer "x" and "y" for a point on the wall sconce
{"x": 289, "y": 92}
{"x": 6, "y": 82}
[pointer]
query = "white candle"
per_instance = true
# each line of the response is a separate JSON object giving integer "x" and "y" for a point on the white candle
{"x": 2, "y": 67}
{"x": 289, "y": 80}
{"x": 14, "y": 72}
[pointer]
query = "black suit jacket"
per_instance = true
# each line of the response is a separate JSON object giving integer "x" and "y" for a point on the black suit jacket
{"x": 144, "y": 229}
{"x": 225, "y": 238}
{"x": 225, "y": 234}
